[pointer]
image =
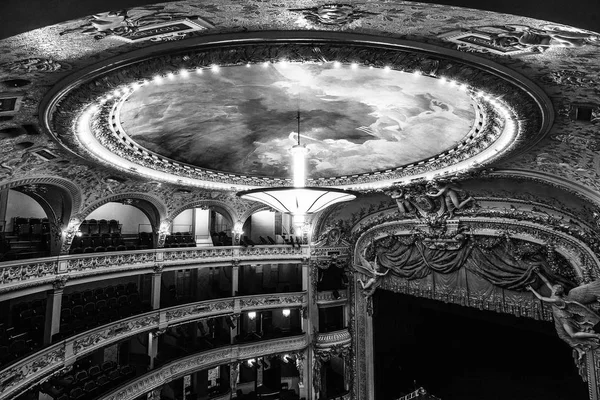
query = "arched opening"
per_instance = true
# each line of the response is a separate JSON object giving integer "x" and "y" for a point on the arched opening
{"x": 25, "y": 223}
{"x": 269, "y": 227}
{"x": 201, "y": 226}
{"x": 115, "y": 226}
{"x": 458, "y": 352}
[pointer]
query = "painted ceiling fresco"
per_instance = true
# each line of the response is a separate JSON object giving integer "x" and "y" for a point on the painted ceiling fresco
{"x": 244, "y": 119}
{"x": 562, "y": 60}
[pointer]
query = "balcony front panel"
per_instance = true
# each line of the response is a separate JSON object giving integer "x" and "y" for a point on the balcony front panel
{"x": 18, "y": 376}
{"x": 22, "y": 274}
{"x": 205, "y": 360}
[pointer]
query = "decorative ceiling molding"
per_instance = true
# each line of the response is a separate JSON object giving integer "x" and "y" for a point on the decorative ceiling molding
{"x": 65, "y": 103}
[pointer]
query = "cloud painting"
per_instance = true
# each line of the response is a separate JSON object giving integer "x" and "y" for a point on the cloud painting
{"x": 243, "y": 120}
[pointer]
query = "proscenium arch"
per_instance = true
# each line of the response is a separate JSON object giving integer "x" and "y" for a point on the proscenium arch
{"x": 581, "y": 258}
{"x": 152, "y": 207}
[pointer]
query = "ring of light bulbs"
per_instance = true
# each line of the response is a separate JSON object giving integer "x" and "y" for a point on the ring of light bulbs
{"x": 121, "y": 158}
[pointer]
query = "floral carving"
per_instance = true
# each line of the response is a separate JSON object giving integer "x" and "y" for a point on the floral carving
{"x": 32, "y": 65}
{"x": 333, "y": 14}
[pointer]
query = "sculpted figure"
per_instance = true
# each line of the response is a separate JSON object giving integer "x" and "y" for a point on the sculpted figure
{"x": 449, "y": 197}
{"x": 404, "y": 205}
{"x": 372, "y": 283}
{"x": 573, "y": 319}
{"x": 543, "y": 39}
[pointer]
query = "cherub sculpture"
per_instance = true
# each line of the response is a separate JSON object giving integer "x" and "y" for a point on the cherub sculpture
{"x": 573, "y": 319}
{"x": 404, "y": 204}
{"x": 373, "y": 282}
{"x": 450, "y": 198}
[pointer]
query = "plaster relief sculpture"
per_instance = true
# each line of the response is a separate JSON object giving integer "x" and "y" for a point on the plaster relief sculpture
{"x": 150, "y": 22}
{"x": 332, "y": 14}
{"x": 574, "y": 319}
{"x": 519, "y": 39}
{"x": 372, "y": 283}
{"x": 430, "y": 200}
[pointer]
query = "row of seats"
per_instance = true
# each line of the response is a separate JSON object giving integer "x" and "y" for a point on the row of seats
{"x": 95, "y": 243}
{"x": 221, "y": 239}
{"x": 93, "y": 226}
{"x": 30, "y": 228}
{"x": 180, "y": 239}
{"x": 24, "y": 332}
{"x": 86, "y": 310}
{"x": 87, "y": 383}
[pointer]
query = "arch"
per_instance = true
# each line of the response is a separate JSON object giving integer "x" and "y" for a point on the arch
{"x": 252, "y": 210}
{"x": 152, "y": 207}
{"x": 219, "y": 206}
{"x": 583, "y": 260}
{"x": 64, "y": 206}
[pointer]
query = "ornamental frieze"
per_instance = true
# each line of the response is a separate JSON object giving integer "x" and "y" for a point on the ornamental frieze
{"x": 205, "y": 308}
{"x": 208, "y": 359}
{"x": 333, "y": 339}
{"x": 271, "y": 300}
{"x": 30, "y": 369}
{"x": 101, "y": 337}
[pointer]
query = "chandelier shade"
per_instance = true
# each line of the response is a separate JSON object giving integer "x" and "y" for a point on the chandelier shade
{"x": 298, "y": 201}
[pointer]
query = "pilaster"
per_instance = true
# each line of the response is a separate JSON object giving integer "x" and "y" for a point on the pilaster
{"x": 53, "y": 307}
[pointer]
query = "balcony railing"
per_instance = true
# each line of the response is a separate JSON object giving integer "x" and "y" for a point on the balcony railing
{"x": 21, "y": 274}
{"x": 18, "y": 376}
{"x": 335, "y": 338}
{"x": 204, "y": 360}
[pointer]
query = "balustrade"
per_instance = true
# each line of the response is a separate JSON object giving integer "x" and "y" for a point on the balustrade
{"x": 40, "y": 272}
{"x": 18, "y": 376}
{"x": 204, "y": 360}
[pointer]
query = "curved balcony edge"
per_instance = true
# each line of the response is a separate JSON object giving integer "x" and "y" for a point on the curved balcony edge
{"x": 204, "y": 360}
{"x": 16, "y": 377}
{"x": 327, "y": 297}
{"x": 24, "y": 274}
{"x": 339, "y": 338}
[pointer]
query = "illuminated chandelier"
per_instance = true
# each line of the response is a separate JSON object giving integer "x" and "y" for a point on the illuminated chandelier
{"x": 299, "y": 200}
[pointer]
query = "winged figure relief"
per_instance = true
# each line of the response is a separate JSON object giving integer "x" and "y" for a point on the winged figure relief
{"x": 574, "y": 315}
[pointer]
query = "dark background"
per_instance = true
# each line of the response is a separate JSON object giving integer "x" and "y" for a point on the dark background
{"x": 461, "y": 353}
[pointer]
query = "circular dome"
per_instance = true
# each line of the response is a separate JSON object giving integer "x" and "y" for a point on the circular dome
{"x": 243, "y": 119}
{"x": 223, "y": 114}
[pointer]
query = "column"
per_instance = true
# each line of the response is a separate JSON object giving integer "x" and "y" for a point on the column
{"x": 234, "y": 331}
{"x": 593, "y": 373}
{"x": 302, "y": 367}
{"x": 310, "y": 317}
{"x": 235, "y": 278}
{"x": 3, "y": 207}
{"x": 234, "y": 369}
{"x": 53, "y": 307}
{"x": 153, "y": 346}
{"x": 155, "y": 287}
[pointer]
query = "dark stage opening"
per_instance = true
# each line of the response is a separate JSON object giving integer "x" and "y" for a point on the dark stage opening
{"x": 460, "y": 353}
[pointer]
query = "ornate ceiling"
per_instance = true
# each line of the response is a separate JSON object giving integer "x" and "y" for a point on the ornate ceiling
{"x": 543, "y": 77}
